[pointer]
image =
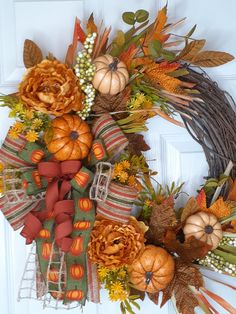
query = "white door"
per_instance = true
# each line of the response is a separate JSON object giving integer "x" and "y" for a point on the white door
{"x": 177, "y": 156}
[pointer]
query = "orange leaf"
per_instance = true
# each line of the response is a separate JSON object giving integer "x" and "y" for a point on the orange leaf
{"x": 79, "y": 35}
{"x": 91, "y": 26}
{"x": 220, "y": 209}
{"x": 228, "y": 307}
{"x": 159, "y": 25}
{"x": 232, "y": 192}
{"x": 201, "y": 199}
{"x": 128, "y": 55}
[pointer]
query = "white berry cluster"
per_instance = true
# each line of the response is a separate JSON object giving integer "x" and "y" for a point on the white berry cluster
{"x": 85, "y": 70}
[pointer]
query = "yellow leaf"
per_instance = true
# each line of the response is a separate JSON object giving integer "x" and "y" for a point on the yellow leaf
{"x": 91, "y": 26}
{"x": 120, "y": 38}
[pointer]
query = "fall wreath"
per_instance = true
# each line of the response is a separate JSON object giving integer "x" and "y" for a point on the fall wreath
{"x": 74, "y": 175}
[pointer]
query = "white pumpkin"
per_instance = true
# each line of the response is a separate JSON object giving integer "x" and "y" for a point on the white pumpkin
{"x": 205, "y": 227}
{"x": 111, "y": 75}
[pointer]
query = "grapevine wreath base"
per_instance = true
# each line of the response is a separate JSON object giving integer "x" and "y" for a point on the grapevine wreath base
{"x": 74, "y": 175}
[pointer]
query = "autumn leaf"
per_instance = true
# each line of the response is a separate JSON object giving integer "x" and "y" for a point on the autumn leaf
{"x": 189, "y": 251}
{"x": 211, "y": 58}
{"x": 154, "y": 297}
{"x": 32, "y": 54}
{"x": 219, "y": 208}
{"x": 79, "y": 35}
{"x": 190, "y": 208}
{"x": 137, "y": 144}
{"x": 91, "y": 26}
{"x": 191, "y": 50}
{"x": 109, "y": 103}
{"x": 134, "y": 291}
{"x": 185, "y": 275}
{"x": 162, "y": 218}
{"x": 201, "y": 199}
{"x": 128, "y": 56}
{"x": 232, "y": 192}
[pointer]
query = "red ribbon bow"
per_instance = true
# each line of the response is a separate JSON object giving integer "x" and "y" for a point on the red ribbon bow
{"x": 62, "y": 209}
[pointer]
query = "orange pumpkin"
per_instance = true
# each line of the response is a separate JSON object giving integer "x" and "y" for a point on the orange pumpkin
{"x": 74, "y": 295}
{"x": 44, "y": 234}
{"x": 82, "y": 225}
{"x": 153, "y": 271}
{"x": 58, "y": 295}
{"x": 53, "y": 275}
{"x": 46, "y": 250}
{"x": 36, "y": 178}
{"x": 111, "y": 75}
{"x": 37, "y": 155}
{"x": 69, "y": 138}
{"x": 98, "y": 151}
{"x": 76, "y": 271}
{"x": 82, "y": 178}
{"x": 85, "y": 204}
{"x": 77, "y": 246}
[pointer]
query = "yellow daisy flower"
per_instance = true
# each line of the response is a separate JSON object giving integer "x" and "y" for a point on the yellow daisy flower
{"x": 28, "y": 114}
{"x": 118, "y": 168}
{"x": 147, "y": 202}
{"x": 37, "y": 123}
{"x": 18, "y": 126}
{"x": 132, "y": 181}
{"x": 102, "y": 273}
{"x": 113, "y": 296}
{"x": 126, "y": 164}
{"x": 31, "y": 136}
{"x": 123, "y": 295}
{"x": 122, "y": 273}
{"x": 116, "y": 287}
{"x": 123, "y": 176}
{"x": 13, "y": 133}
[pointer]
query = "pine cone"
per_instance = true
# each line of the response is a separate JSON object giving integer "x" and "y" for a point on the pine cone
{"x": 112, "y": 103}
{"x": 113, "y": 244}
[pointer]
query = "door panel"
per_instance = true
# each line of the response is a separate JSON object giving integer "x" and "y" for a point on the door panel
{"x": 173, "y": 153}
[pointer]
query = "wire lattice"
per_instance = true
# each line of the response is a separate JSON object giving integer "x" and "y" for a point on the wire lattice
{"x": 101, "y": 181}
{"x": 13, "y": 190}
{"x": 32, "y": 285}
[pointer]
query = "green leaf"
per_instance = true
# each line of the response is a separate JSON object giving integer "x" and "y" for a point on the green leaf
{"x": 227, "y": 256}
{"x": 128, "y": 307}
{"x": 168, "y": 55}
{"x": 154, "y": 48}
{"x": 120, "y": 38}
{"x": 122, "y": 308}
{"x": 178, "y": 73}
{"x": 134, "y": 297}
{"x": 129, "y": 18}
{"x": 192, "y": 30}
{"x": 135, "y": 304}
{"x": 141, "y": 16}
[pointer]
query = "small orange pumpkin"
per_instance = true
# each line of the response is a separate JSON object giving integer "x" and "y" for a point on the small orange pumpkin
{"x": 46, "y": 250}
{"x": 44, "y": 234}
{"x": 82, "y": 178}
{"x": 98, "y": 151}
{"x": 77, "y": 246}
{"x": 82, "y": 225}
{"x": 111, "y": 75}
{"x": 85, "y": 204}
{"x": 58, "y": 295}
{"x": 153, "y": 271}
{"x": 74, "y": 295}
{"x": 76, "y": 271}
{"x": 69, "y": 138}
{"x": 37, "y": 155}
{"x": 53, "y": 275}
{"x": 36, "y": 178}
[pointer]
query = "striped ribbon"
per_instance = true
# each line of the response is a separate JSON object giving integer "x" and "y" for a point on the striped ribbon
{"x": 118, "y": 204}
{"x": 106, "y": 128}
{"x": 9, "y": 156}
